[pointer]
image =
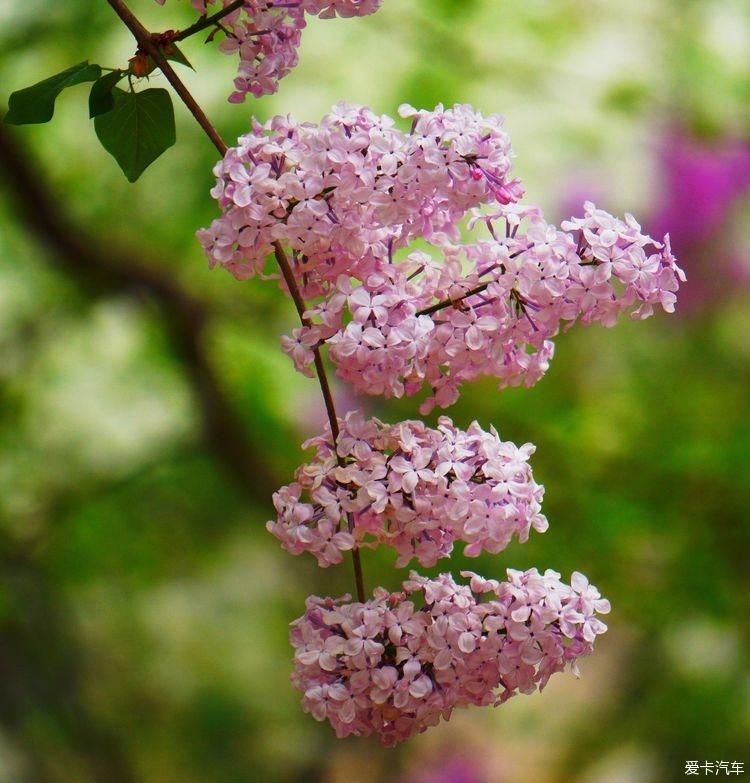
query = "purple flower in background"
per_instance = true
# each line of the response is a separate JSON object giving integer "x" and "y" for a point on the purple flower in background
{"x": 701, "y": 181}
{"x": 702, "y": 184}
{"x": 456, "y": 769}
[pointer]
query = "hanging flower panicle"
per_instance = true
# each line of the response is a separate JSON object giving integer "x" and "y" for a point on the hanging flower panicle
{"x": 353, "y": 189}
{"x": 346, "y": 198}
{"x": 395, "y": 665}
{"x": 409, "y": 487}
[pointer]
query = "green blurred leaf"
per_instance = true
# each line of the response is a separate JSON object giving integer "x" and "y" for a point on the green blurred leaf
{"x": 101, "y": 99}
{"x": 37, "y": 103}
{"x": 138, "y": 129}
{"x": 627, "y": 97}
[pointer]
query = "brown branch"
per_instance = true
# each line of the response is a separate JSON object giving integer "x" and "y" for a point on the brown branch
{"x": 208, "y": 21}
{"x": 299, "y": 303}
{"x": 112, "y": 270}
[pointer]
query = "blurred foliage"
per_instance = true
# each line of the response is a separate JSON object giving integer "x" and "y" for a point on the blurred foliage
{"x": 143, "y": 607}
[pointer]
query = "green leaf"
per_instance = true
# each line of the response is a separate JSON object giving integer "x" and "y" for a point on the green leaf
{"x": 138, "y": 129}
{"x": 37, "y": 103}
{"x": 172, "y": 52}
{"x": 101, "y": 99}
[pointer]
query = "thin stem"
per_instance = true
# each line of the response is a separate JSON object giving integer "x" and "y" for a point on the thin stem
{"x": 357, "y": 562}
{"x": 472, "y": 291}
{"x": 452, "y": 302}
{"x": 208, "y": 21}
{"x": 299, "y": 303}
{"x": 145, "y": 41}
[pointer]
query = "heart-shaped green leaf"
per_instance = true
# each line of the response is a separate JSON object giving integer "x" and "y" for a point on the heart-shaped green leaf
{"x": 37, "y": 103}
{"x": 138, "y": 129}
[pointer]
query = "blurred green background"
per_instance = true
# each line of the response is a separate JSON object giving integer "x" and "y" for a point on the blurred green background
{"x": 147, "y": 413}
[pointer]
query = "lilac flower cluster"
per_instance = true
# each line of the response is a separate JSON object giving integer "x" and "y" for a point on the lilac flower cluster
{"x": 491, "y": 308}
{"x": 344, "y": 197}
{"x": 394, "y": 666}
{"x": 266, "y": 35}
{"x": 346, "y": 194}
{"x": 409, "y": 487}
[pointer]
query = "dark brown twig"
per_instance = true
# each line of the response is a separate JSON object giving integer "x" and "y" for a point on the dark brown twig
{"x": 208, "y": 21}
{"x": 453, "y": 302}
{"x": 299, "y": 303}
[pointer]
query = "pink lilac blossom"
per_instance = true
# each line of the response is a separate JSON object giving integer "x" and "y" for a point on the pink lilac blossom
{"x": 346, "y": 194}
{"x": 395, "y": 665}
{"x": 266, "y": 35}
{"x": 409, "y": 487}
{"x": 491, "y": 308}
{"x": 327, "y": 9}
